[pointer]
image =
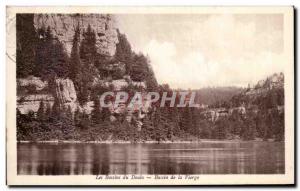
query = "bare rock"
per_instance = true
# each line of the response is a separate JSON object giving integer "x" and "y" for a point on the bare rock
{"x": 63, "y": 28}
{"x": 31, "y": 103}
{"x": 65, "y": 94}
{"x": 31, "y": 93}
{"x": 32, "y": 81}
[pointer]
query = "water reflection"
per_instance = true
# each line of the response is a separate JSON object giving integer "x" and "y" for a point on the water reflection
{"x": 198, "y": 158}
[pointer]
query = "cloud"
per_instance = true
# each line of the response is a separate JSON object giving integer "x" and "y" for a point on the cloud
{"x": 193, "y": 51}
{"x": 194, "y": 71}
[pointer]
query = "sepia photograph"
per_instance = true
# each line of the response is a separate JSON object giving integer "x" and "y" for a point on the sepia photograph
{"x": 150, "y": 95}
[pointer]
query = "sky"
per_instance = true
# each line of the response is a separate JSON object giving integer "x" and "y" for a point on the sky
{"x": 207, "y": 50}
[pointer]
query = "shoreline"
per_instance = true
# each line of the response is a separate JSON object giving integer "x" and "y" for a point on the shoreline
{"x": 146, "y": 142}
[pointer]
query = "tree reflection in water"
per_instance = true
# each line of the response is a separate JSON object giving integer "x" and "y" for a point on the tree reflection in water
{"x": 181, "y": 158}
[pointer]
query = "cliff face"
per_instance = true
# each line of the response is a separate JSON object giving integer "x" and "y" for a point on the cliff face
{"x": 268, "y": 92}
{"x": 31, "y": 91}
{"x": 275, "y": 81}
{"x": 65, "y": 94}
{"x": 63, "y": 28}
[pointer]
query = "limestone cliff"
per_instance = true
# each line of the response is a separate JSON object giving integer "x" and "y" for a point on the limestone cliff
{"x": 65, "y": 94}
{"x": 31, "y": 91}
{"x": 63, "y": 28}
{"x": 274, "y": 81}
{"x": 62, "y": 90}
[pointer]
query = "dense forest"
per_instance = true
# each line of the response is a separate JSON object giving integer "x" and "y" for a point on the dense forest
{"x": 214, "y": 96}
{"x": 40, "y": 54}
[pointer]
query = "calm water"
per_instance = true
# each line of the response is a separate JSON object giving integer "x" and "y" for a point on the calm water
{"x": 196, "y": 158}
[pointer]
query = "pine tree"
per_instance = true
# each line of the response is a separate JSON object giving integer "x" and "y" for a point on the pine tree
{"x": 51, "y": 57}
{"x": 75, "y": 66}
{"x": 69, "y": 113}
{"x": 124, "y": 52}
{"x": 62, "y": 64}
{"x": 88, "y": 47}
{"x": 142, "y": 71}
{"x": 139, "y": 70}
{"x": 41, "y": 112}
{"x": 220, "y": 128}
{"x": 56, "y": 112}
{"x": 48, "y": 112}
{"x": 248, "y": 130}
{"x": 96, "y": 113}
{"x": 196, "y": 122}
{"x": 26, "y": 45}
{"x": 88, "y": 53}
{"x": 20, "y": 120}
{"x": 42, "y": 59}
{"x": 279, "y": 135}
{"x": 147, "y": 128}
{"x": 48, "y": 34}
{"x": 77, "y": 117}
{"x": 21, "y": 126}
{"x": 187, "y": 119}
{"x": 268, "y": 126}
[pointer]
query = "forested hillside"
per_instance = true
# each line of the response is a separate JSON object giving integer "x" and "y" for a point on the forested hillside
{"x": 216, "y": 95}
{"x": 62, "y": 72}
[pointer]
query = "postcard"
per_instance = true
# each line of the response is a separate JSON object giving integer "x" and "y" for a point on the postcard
{"x": 150, "y": 95}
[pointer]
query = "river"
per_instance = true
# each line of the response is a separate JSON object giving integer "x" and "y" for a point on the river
{"x": 212, "y": 157}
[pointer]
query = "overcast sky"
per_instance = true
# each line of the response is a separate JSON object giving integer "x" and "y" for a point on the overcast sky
{"x": 194, "y": 51}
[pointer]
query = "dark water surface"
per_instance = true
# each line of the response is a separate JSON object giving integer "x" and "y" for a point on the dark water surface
{"x": 181, "y": 158}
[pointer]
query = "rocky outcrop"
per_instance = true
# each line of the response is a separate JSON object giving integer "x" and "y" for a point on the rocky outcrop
{"x": 275, "y": 81}
{"x": 65, "y": 94}
{"x": 268, "y": 92}
{"x": 136, "y": 109}
{"x": 31, "y": 103}
{"x": 63, "y": 27}
{"x": 31, "y": 92}
{"x": 62, "y": 91}
{"x": 35, "y": 82}
{"x": 117, "y": 84}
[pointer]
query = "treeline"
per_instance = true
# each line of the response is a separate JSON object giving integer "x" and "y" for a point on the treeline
{"x": 160, "y": 124}
{"x": 56, "y": 124}
{"x": 263, "y": 125}
{"x": 216, "y": 96}
{"x": 268, "y": 99}
{"x": 263, "y": 119}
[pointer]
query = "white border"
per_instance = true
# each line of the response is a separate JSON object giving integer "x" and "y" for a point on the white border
{"x": 288, "y": 178}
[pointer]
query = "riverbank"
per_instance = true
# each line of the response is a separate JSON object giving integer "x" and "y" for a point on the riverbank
{"x": 148, "y": 142}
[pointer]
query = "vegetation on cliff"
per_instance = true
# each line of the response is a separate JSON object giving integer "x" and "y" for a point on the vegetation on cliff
{"x": 40, "y": 54}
